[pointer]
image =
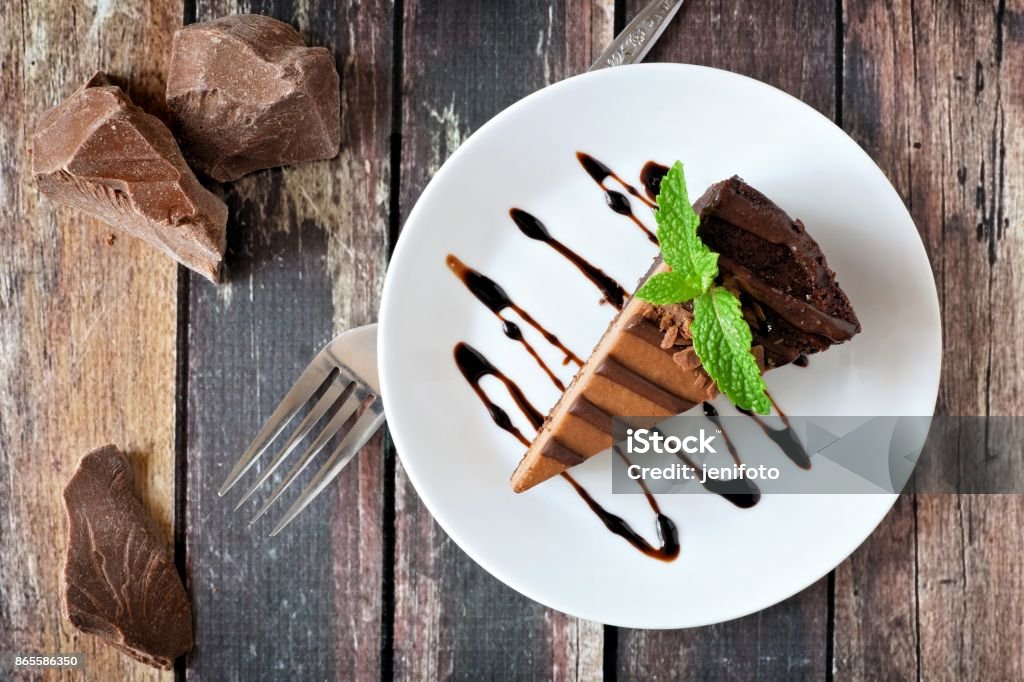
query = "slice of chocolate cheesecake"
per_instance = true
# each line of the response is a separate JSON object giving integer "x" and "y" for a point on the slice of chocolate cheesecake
{"x": 645, "y": 364}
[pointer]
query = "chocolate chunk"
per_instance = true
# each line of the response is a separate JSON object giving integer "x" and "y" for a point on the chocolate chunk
{"x": 119, "y": 579}
{"x": 100, "y": 153}
{"x": 247, "y": 94}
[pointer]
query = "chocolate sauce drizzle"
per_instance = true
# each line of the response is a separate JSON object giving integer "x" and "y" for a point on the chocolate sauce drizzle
{"x": 668, "y": 534}
{"x": 651, "y": 177}
{"x": 711, "y": 412}
{"x": 785, "y": 438}
{"x": 743, "y": 493}
{"x": 535, "y": 229}
{"x": 617, "y": 201}
{"x": 474, "y": 366}
{"x": 600, "y": 172}
{"x": 490, "y": 293}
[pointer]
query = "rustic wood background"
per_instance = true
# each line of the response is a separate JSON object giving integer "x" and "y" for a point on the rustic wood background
{"x": 114, "y": 343}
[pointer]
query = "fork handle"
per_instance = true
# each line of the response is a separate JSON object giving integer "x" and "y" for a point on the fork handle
{"x": 637, "y": 39}
{"x": 361, "y": 354}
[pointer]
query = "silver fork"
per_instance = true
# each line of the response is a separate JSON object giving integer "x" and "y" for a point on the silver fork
{"x": 345, "y": 374}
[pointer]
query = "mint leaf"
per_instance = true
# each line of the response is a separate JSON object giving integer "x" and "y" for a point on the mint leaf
{"x": 721, "y": 338}
{"x": 665, "y": 288}
{"x": 682, "y": 249}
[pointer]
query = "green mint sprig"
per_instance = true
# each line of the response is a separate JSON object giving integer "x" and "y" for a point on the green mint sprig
{"x": 694, "y": 265}
{"x": 721, "y": 336}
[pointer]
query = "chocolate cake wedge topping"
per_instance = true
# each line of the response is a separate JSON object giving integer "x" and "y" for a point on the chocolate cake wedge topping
{"x": 247, "y": 93}
{"x": 119, "y": 579}
{"x": 646, "y": 364}
{"x": 101, "y": 154}
{"x": 793, "y": 303}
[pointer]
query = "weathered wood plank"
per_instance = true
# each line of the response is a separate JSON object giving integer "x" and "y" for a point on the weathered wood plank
{"x": 87, "y": 329}
{"x": 307, "y": 248}
{"x": 464, "y": 62}
{"x": 932, "y": 91}
{"x": 876, "y": 615}
{"x": 791, "y": 46}
{"x": 784, "y": 642}
{"x": 875, "y": 627}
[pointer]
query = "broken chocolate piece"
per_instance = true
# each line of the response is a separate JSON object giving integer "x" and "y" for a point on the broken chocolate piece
{"x": 119, "y": 582}
{"x": 100, "y": 153}
{"x": 247, "y": 93}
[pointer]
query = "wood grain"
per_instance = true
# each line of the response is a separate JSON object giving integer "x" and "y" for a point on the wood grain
{"x": 307, "y": 247}
{"x": 876, "y": 612}
{"x": 86, "y": 329}
{"x": 933, "y": 91}
{"x": 464, "y": 62}
{"x": 365, "y": 586}
{"x": 791, "y": 46}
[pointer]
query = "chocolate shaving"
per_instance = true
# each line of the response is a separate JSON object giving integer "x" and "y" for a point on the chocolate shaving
{"x": 119, "y": 579}
{"x": 687, "y": 358}
{"x": 674, "y": 320}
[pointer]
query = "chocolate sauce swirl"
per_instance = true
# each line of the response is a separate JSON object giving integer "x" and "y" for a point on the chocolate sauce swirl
{"x": 617, "y": 201}
{"x": 741, "y": 492}
{"x": 535, "y": 229}
{"x": 492, "y": 295}
{"x": 600, "y": 172}
{"x": 474, "y": 367}
{"x": 668, "y": 534}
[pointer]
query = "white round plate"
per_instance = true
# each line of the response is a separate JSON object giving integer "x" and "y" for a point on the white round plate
{"x": 546, "y": 543}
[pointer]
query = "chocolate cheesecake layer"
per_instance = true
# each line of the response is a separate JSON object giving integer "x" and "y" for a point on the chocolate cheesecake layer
{"x": 645, "y": 365}
{"x": 629, "y": 373}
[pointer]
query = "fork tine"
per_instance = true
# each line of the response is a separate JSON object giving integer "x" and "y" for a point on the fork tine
{"x": 321, "y": 408}
{"x": 348, "y": 407}
{"x": 354, "y": 440}
{"x": 305, "y": 386}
